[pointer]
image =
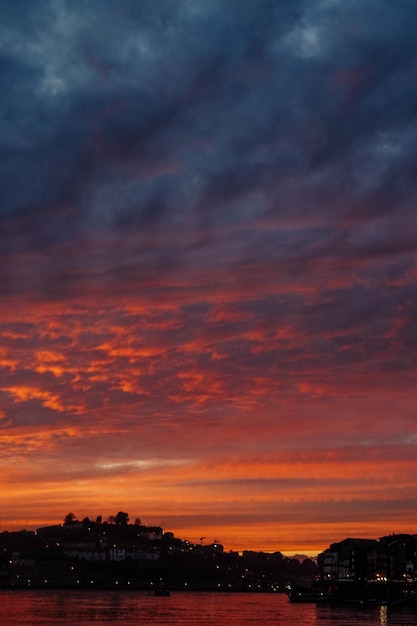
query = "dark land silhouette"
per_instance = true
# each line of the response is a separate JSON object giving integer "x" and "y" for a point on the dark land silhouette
{"x": 118, "y": 554}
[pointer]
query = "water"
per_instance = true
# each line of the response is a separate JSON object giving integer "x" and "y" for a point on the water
{"x": 101, "y": 608}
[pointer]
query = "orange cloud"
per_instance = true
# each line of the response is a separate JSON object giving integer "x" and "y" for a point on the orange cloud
{"x": 23, "y": 394}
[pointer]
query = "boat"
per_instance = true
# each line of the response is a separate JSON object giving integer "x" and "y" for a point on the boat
{"x": 301, "y": 594}
{"x": 161, "y": 592}
{"x": 161, "y": 589}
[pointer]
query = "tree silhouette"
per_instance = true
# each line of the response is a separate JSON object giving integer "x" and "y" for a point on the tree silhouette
{"x": 121, "y": 519}
{"x": 69, "y": 519}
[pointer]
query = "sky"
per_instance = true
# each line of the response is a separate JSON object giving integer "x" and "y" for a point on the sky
{"x": 208, "y": 269}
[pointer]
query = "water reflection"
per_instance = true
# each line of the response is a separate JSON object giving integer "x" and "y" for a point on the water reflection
{"x": 97, "y": 608}
{"x": 383, "y": 615}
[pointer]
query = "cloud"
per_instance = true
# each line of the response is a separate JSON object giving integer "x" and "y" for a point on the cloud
{"x": 207, "y": 228}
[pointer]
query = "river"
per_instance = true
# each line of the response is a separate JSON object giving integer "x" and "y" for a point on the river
{"x": 116, "y": 608}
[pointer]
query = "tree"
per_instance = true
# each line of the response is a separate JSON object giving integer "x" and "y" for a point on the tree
{"x": 99, "y": 519}
{"x": 138, "y": 521}
{"x": 69, "y": 519}
{"x": 121, "y": 519}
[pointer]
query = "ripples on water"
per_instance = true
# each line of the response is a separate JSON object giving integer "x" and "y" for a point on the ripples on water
{"x": 99, "y": 608}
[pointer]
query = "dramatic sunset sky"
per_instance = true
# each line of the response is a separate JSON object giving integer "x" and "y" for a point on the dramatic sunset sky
{"x": 208, "y": 278}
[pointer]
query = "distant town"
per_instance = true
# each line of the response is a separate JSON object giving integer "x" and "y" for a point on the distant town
{"x": 118, "y": 554}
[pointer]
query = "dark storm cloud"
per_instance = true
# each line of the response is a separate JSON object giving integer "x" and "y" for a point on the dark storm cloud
{"x": 184, "y": 126}
{"x": 239, "y": 96}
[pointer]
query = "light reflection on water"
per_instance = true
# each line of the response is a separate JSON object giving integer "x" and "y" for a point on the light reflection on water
{"x": 100, "y": 608}
{"x": 383, "y": 615}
